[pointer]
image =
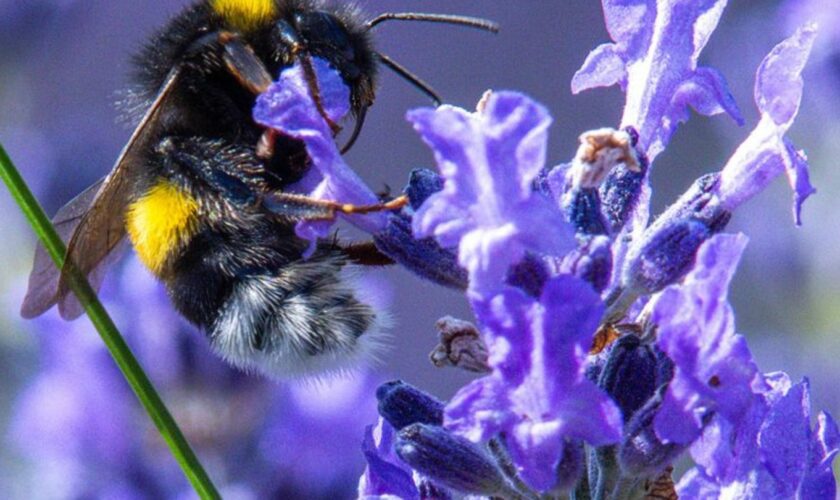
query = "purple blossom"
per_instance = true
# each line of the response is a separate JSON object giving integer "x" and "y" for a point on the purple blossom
{"x": 766, "y": 153}
{"x": 537, "y": 394}
{"x": 288, "y": 108}
{"x": 654, "y": 60}
{"x": 773, "y": 453}
{"x": 488, "y": 207}
{"x": 714, "y": 370}
{"x": 385, "y": 476}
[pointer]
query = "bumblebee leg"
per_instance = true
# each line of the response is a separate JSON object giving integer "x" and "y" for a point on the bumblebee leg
{"x": 232, "y": 170}
{"x": 366, "y": 254}
{"x": 303, "y": 207}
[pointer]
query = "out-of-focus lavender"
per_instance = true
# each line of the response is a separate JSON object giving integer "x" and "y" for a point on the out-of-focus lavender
{"x": 78, "y": 427}
{"x": 63, "y": 128}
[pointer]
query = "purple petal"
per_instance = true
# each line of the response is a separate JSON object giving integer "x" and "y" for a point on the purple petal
{"x": 630, "y": 22}
{"x": 714, "y": 368}
{"x": 799, "y": 179}
{"x": 765, "y": 154}
{"x": 537, "y": 447}
{"x": 288, "y": 108}
{"x": 695, "y": 484}
{"x": 385, "y": 474}
{"x": 784, "y": 438}
{"x": 478, "y": 410}
{"x": 537, "y": 394}
{"x": 707, "y": 93}
{"x": 658, "y": 44}
{"x": 603, "y": 67}
{"x": 488, "y": 207}
{"x": 819, "y": 481}
{"x": 772, "y": 452}
{"x": 778, "y": 81}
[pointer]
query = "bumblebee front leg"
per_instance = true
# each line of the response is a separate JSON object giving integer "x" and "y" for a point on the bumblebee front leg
{"x": 232, "y": 170}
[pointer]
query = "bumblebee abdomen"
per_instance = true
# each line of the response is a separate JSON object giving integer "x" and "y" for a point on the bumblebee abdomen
{"x": 161, "y": 222}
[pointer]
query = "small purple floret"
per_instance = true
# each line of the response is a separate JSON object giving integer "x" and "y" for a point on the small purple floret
{"x": 386, "y": 476}
{"x": 288, "y": 108}
{"x": 654, "y": 59}
{"x": 772, "y": 453}
{"x": 488, "y": 207}
{"x": 537, "y": 394}
{"x": 714, "y": 370}
{"x": 766, "y": 153}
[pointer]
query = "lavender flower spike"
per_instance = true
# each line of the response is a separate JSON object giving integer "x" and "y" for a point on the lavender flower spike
{"x": 488, "y": 207}
{"x": 654, "y": 59}
{"x": 537, "y": 394}
{"x": 714, "y": 370}
{"x": 288, "y": 108}
{"x": 773, "y": 453}
{"x": 766, "y": 153}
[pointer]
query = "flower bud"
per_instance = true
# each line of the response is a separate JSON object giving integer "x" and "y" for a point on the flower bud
{"x": 591, "y": 261}
{"x": 641, "y": 452}
{"x": 450, "y": 460}
{"x": 422, "y": 183}
{"x": 667, "y": 248}
{"x": 403, "y": 404}
{"x": 629, "y": 375}
{"x": 620, "y": 191}
{"x": 424, "y": 257}
{"x": 583, "y": 209}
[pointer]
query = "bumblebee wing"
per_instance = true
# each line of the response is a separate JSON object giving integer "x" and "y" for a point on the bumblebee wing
{"x": 94, "y": 221}
{"x": 43, "y": 280}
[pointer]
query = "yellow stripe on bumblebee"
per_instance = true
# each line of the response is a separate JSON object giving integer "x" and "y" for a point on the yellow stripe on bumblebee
{"x": 245, "y": 15}
{"x": 160, "y": 222}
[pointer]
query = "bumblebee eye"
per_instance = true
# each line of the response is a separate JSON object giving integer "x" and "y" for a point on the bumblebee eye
{"x": 323, "y": 32}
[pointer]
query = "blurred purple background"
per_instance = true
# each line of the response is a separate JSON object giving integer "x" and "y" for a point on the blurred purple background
{"x": 61, "y": 65}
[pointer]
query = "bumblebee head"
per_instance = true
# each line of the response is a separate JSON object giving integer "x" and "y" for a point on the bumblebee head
{"x": 285, "y": 30}
{"x": 337, "y": 36}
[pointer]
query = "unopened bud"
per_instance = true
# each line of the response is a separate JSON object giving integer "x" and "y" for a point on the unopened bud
{"x": 450, "y": 460}
{"x": 403, "y": 404}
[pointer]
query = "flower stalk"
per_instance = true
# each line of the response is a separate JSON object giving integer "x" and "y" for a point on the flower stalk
{"x": 117, "y": 347}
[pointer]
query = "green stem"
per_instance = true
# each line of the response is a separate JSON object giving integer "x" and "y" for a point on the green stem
{"x": 133, "y": 373}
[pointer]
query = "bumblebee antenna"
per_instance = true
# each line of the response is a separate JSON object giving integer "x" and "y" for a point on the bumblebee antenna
{"x": 411, "y": 78}
{"x": 471, "y": 22}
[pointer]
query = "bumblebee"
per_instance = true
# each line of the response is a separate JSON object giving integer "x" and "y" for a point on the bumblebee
{"x": 186, "y": 188}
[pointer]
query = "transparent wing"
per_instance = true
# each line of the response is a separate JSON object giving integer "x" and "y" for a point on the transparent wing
{"x": 93, "y": 223}
{"x": 43, "y": 280}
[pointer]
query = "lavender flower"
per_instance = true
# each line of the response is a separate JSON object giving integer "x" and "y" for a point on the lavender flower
{"x": 85, "y": 435}
{"x": 773, "y": 453}
{"x": 487, "y": 208}
{"x": 714, "y": 371}
{"x": 654, "y": 60}
{"x": 765, "y": 154}
{"x": 678, "y": 377}
{"x": 288, "y": 108}
{"x": 607, "y": 346}
{"x": 537, "y": 394}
